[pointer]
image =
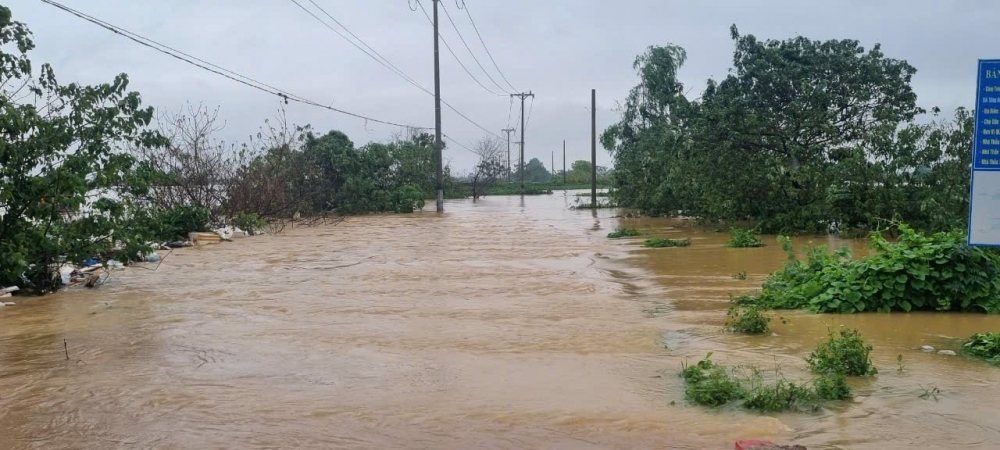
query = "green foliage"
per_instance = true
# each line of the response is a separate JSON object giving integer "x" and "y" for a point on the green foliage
{"x": 832, "y": 386}
{"x": 985, "y": 346}
{"x": 174, "y": 224}
{"x": 248, "y": 222}
{"x": 663, "y": 243}
{"x": 515, "y": 189}
{"x": 783, "y": 143}
{"x": 899, "y": 363}
{"x": 741, "y": 238}
{"x": 748, "y": 320}
{"x": 624, "y": 232}
{"x": 939, "y": 272}
{"x": 742, "y": 275}
{"x": 846, "y": 354}
{"x": 66, "y": 190}
{"x": 710, "y": 384}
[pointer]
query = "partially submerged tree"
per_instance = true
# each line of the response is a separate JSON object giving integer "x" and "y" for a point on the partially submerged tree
{"x": 490, "y": 167}
{"x": 67, "y": 189}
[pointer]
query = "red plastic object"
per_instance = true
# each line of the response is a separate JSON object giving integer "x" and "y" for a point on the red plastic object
{"x": 754, "y": 445}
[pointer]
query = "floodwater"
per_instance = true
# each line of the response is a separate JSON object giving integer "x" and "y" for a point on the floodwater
{"x": 502, "y": 324}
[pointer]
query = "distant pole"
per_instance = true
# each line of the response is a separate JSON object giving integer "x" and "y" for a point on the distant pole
{"x": 593, "y": 148}
{"x": 552, "y": 167}
{"x": 522, "y": 96}
{"x": 564, "y": 162}
{"x": 439, "y": 184}
{"x": 508, "y": 131}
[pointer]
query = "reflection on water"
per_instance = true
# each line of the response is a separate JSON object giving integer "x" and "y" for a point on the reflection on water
{"x": 500, "y": 324}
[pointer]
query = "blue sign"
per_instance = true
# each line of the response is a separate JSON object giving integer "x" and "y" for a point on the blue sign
{"x": 984, "y": 196}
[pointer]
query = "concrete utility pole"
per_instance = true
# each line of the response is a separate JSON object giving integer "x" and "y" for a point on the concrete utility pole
{"x": 593, "y": 148}
{"x": 522, "y": 96}
{"x": 564, "y": 162}
{"x": 439, "y": 184}
{"x": 508, "y": 131}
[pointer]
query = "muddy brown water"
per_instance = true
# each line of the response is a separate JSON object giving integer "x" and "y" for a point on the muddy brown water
{"x": 502, "y": 324}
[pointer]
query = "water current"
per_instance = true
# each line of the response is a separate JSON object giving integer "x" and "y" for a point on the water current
{"x": 506, "y": 323}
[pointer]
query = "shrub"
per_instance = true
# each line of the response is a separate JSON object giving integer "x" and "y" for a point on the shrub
{"x": 832, "y": 387}
{"x": 748, "y": 320}
{"x": 624, "y": 232}
{"x": 846, "y": 354}
{"x": 939, "y": 272}
{"x": 663, "y": 243}
{"x": 781, "y": 395}
{"x": 985, "y": 346}
{"x": 741, "y": 238}
{"x": 248, "y": 222}
{"x": 176, "y": 223}
{"x": 709, "y": 384}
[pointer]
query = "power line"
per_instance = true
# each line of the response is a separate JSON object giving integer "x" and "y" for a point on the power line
{"x": 530, "y": 107}
{"x": 480, "y": 83}
{"x": 471, "y": 53}
{"x": 388, "y": 64}
{"x": 218, "y": 70}
{"x": 458, "y": 143}
{"x": 474, "y": 27}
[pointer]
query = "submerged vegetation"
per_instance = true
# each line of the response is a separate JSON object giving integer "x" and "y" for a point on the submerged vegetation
{"x": 845, "y": 354}
{"x": 748, "y": 320}
{"x": 624, "y": 232}
{"x": 937, "y": 272}
{"x": 710, "y": 384}
{"x": 664, "y": 242}
{"x": 741, "y": 238}
{"x": 985, "y": 346}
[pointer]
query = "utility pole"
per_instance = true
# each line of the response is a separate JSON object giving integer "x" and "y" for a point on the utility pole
{"x": 593, "y": 148}
{"x": 522, "y": 96}
{"x": 508, "y": 131}
{"x": 439, "y": 184}
{"x": 552, "y": 167}
{"x": 564, "y": 162}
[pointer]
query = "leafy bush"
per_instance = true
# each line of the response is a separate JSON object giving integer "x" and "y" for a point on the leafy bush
{"x": 847, "y": 354}
{"x": 662, "y": 243}
{"x": 248, "y": 222}
{"x": 832, "y": 387}
{"x": 624, "y": 232}
{"x": 747, "y": 320}
{"x": 176, "y": 223}
{"x": 985, "y": 346}
{"x": 407, "y": 199}
{"x": 938, "y": 272}
{"x": 741, "y": 238}
{"x": 710, "y": 384}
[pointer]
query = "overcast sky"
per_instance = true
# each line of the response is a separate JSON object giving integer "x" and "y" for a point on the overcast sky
{"x": 557, "y": 49}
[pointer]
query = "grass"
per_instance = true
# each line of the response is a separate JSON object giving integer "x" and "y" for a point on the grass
{"x": 847, "y": 354}
{"x": 710, "y": 384}
{"x": 985, "y": 346}
{"x": 749, "y": 320}
{"x": 624, "y": 232}
{"x": 742, "y": 238}
{"x": 587, "y": 194}
{"x": 663, "y": 243}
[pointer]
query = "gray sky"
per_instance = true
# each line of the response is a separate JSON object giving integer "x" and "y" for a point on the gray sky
{"x": 557, "y": 49}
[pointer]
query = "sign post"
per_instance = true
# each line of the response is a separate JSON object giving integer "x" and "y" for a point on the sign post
{"x": 984, "y": 199}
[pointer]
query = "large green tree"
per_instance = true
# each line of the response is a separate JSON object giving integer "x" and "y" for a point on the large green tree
{"x": 67, "y": 190}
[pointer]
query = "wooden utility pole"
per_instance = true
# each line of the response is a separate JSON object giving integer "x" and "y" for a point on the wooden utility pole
{"x": 593, "y": 148}
{"x": 552, "y": 167}
{"x": 439, "y": 184}
{"x": 508, "y": 131}
{"x": 522, "y": 96}
{"x": 564, "y": 162}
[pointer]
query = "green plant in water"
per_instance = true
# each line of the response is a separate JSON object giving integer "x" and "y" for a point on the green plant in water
{"x": 832, "y": 387}
{"x": 740, "y": 276}
{"x": 899, "y": 363}
{"x": 624, "y": 232}
{"x": 985, "y": 346}
{"x": 930, "y": 393}
{"x": 846, "y": 354}
{"x": 663, "y": 243}
{"x": 742, "y": 238}
{"x": 781, "y": 395}
{"x": 748, "y": 320}
{"x": 248, "y": 222}
{"x": 709, "y": 384}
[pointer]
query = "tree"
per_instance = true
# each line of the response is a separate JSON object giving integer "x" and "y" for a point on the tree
{"x": 491, "y": 167}
{"x": 67, "y": 189}
{"x": 534, "y": 172}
